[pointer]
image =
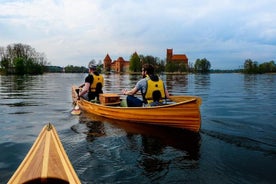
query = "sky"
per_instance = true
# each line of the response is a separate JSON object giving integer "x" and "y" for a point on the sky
{"x": 73, "y": 32}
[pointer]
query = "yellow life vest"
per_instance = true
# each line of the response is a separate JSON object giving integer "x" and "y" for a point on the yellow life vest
{"x": 152, "y": 88}
{"x": 97, "y": 79}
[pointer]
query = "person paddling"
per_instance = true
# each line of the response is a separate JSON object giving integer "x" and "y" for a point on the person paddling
{"x": 151, "y": 86}
{"x": 93, "y": 85}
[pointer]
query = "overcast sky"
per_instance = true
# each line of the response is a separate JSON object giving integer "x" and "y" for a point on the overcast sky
{"x": 73, "y": 32}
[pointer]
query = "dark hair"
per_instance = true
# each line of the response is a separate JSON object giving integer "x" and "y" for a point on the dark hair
{"x": 149, "y": 68}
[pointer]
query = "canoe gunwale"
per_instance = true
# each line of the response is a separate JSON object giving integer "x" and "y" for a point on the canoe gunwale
{"x": 144, "y": 108}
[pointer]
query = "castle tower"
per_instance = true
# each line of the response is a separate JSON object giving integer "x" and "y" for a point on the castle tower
{"x": 119, "y": 64}
{"x": 169, "y": 55}
{"x": 107, "y": 63}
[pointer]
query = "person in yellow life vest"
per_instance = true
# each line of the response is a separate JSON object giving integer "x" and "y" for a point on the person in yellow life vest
{"x": 151, "y": 86}
{"x": 93, "y": 84}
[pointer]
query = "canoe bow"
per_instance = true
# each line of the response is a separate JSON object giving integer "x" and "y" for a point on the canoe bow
{"x": 46, "y": 162}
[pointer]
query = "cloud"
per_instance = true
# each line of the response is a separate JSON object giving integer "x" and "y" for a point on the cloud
{"x": 73, "y": 32}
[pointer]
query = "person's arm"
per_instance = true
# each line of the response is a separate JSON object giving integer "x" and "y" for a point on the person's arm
{"x": 129, "y": 92}
{"x": 81, "y": 86}
{"x": 85, "y": 89}
{"x": 167, "y": 93}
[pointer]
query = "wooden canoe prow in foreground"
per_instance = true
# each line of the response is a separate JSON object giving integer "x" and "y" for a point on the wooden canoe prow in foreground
{"x": 46, "y": 162}
{"x": 184, "y": 112}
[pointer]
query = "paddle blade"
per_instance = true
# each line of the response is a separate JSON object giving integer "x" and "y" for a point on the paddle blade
{"x": 76, "y": 110}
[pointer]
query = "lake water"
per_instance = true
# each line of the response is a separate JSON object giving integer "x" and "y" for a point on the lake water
{"x": 236, "y": 144}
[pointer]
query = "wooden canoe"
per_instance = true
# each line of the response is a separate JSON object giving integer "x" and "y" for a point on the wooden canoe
{"x": 184, "y": 112}
{"x": 46, "y": 162}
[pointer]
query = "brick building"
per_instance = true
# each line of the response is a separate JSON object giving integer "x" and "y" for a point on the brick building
{"x": 179, "y": 58}
{"x": 118, "y": 66}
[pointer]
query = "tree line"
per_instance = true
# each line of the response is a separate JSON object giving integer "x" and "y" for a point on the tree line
{"x": 22, "y": 59}
{"x": 136, "y": 62}
{"x": 253, "y": 67}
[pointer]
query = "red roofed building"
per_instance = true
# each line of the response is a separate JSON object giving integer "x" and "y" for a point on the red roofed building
{"x": 179, "y": 58}
{"x": 107, "y": 63}
{"x": 118, "y": 66}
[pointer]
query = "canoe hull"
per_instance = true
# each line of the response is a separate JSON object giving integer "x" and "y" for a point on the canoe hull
{"x": 185, "y": 113}
{"x": 46, "y": 161}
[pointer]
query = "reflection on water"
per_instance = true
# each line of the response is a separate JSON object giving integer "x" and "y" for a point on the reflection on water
{"x": 153, "y": 142}
{"x": 94, "y": 128}
{"x": 202, "y": 81}
{"x": 237, "y": 133}
{"x": 176, "y": 82}
{"x": 16, "y": 86}
{"x": 166, "y": 136}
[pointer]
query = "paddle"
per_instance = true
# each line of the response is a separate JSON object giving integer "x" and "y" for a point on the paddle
{"x": 76, "y": 110}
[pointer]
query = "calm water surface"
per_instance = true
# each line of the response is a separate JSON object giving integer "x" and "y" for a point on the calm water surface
{"x": 236, "y": 144}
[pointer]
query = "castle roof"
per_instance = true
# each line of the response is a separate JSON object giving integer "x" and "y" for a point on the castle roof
{"x": 179, "y": 57}
{"x": 107, "y": 58}
{"x": 120, "y": 59}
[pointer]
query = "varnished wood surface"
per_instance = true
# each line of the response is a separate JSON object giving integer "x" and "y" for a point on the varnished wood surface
{"x": 183, "y": 113}
{"x": 46, "y": 162}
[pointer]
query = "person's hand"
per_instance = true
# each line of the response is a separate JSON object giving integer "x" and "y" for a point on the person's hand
{"x": 124, "y": 91}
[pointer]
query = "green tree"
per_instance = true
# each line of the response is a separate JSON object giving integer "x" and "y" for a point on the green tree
{"x": 267, "y": 67}
{"x": 22, "y": 59}
{"x": 150, "y": 60}
{"x": 272, "y": 66}
{"x": 202, "y": 65}
{"x": 182, "y": 67}
{"x": 19, "y": 64}
{"x": 135, "y": 63}
{"x": 250, "y": 67}
{"x": 171, "y": 67}
{"x": 160, "y": 66}
{"x": 155, "y": 61}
